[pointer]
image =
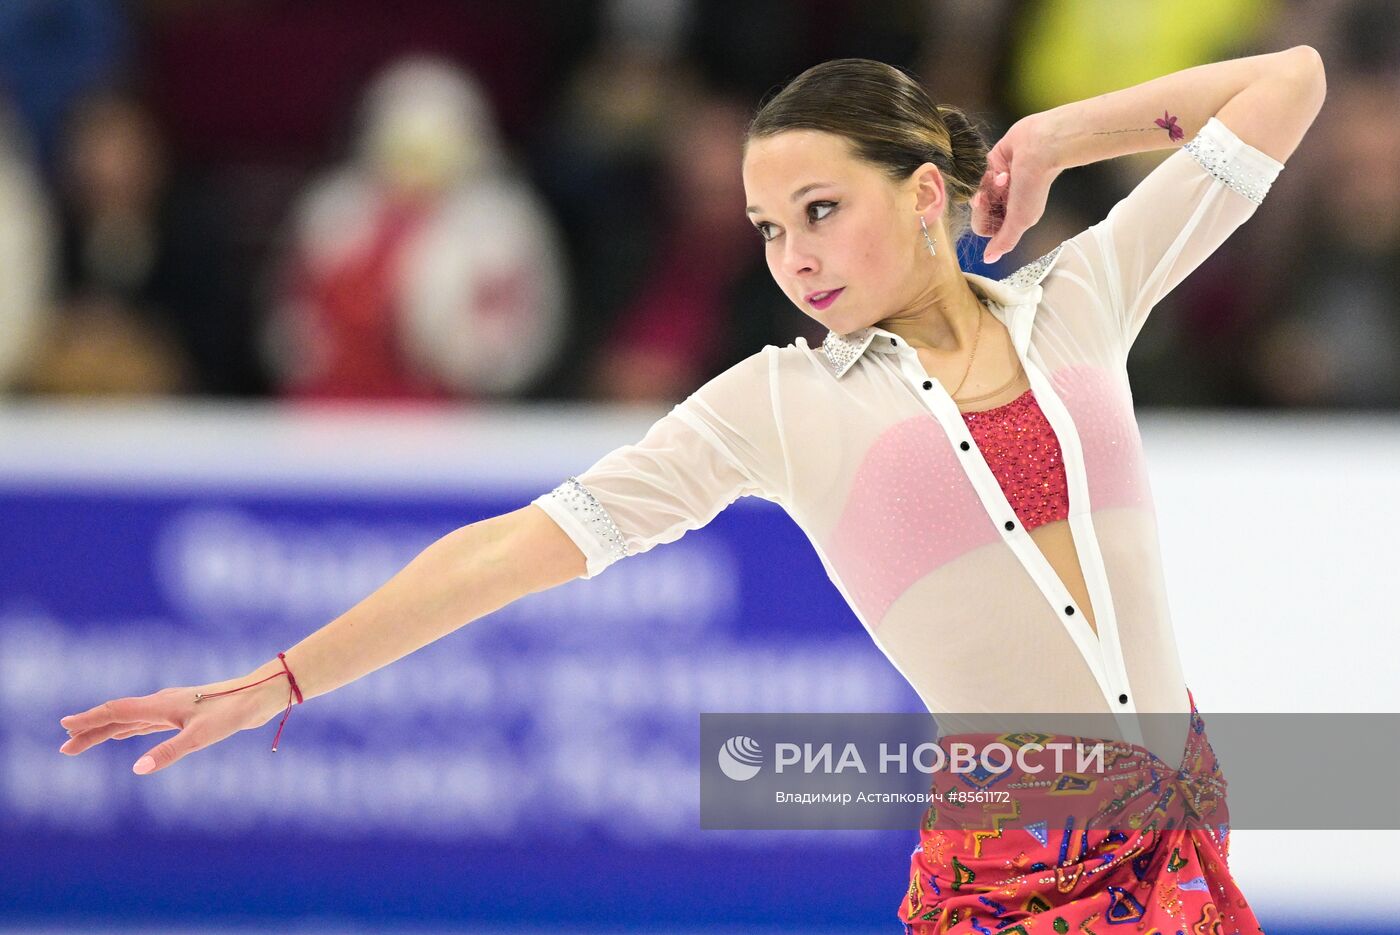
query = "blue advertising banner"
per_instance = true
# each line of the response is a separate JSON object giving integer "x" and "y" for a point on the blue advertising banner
{"x": 539, "y": 765}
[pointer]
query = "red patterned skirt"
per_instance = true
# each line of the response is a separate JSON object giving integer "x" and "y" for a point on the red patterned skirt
{"x": 1157, "y": 865}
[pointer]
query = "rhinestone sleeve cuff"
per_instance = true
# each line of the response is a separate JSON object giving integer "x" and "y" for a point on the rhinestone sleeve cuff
{"x": 1233, "y": 161}
{"x": 584, "y": 519}
{"x": 1034, "y": 271}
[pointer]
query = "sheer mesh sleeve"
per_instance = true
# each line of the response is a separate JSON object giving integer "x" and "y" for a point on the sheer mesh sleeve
{"x": 1173, "y": 220}
{"x": 718, "y": 444}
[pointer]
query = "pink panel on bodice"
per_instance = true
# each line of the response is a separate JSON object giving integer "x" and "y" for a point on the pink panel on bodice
{"x": 912, "y": 509}
{"x": 1102, "y": 409}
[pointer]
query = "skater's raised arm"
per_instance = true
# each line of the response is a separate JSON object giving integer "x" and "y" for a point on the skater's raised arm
{"x": 1269, "y": 100}
{"x": 1233, "y": 124}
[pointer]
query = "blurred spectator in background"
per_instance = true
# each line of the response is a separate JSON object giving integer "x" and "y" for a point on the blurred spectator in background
{"x": 596, "y": 155}
{"x": 705, "y": 299}
{"x": 1334, "y": 339}
{"x": 424, "y": 267}
{"x": 746, "y": 48}
{"x": 26, "y": 254}
{"x": 146, "y": 301}
{"x": 52, "y": 54}
{"x": 1326, "y": 307}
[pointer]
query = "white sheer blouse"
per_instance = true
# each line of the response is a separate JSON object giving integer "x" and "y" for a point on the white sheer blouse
{"x": 875, "y": 463}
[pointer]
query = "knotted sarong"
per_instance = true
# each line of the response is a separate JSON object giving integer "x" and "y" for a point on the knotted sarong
{"x": 1138, "y": 844}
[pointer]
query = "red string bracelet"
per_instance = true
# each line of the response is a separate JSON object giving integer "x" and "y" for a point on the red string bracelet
{"x": 292, "y": 679}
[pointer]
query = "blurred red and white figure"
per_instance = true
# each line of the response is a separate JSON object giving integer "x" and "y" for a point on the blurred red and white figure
{"x": 26, "y": 253}
{"x": 424, "y": 267}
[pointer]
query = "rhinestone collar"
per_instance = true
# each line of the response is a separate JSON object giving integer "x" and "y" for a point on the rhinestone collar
{"x": 843, "y": 350}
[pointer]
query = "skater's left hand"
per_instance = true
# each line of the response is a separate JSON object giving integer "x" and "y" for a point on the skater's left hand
{"x": 1020, "y": 169}
{"x": 199, "y": 725}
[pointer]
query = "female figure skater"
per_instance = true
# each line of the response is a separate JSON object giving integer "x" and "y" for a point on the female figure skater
{"x": 961, "y": 452}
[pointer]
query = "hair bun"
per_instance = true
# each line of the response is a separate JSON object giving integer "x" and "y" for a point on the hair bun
{"x": 969, "y": 146}
{"x": 890, "y": 121}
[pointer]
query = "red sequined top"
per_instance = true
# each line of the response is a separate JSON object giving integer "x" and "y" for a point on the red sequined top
{"x": 1022, "y": 451}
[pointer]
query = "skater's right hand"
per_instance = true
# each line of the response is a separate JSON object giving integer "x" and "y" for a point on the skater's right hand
{"x": 200, "y": 725}
{"x": 1014, "y": 189}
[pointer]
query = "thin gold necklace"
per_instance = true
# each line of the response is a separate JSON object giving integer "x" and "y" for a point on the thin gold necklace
{"x": 1015, "y": 377}
{"x": 981, "y": 307}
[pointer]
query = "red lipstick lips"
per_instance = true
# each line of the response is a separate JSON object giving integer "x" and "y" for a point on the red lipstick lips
{"x": 820, "y": 300}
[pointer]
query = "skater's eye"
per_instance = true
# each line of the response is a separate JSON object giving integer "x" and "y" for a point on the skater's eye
{"x": 764, "y": 227}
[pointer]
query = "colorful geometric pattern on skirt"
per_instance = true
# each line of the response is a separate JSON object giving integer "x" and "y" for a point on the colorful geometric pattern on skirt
{"x": 1145, "y": 872}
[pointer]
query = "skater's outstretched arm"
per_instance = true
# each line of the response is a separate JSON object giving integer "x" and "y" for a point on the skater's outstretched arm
{"x": 466, "y": 574}
{"x": 720, "y": 443}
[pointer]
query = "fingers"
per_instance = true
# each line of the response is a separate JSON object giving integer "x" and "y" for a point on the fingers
{"x": 92, "y": 717}
{"x": 116, "y": 711}
{"x": 990, "y": 205}
{"x": 167, "y": 709}
{"x": 1023, "y": 209}
{"x": 86, "y": 739}
{"x": 161, "y": 756}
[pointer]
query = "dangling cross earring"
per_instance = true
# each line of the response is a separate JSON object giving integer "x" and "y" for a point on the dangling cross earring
{"x": 927, "y": 239}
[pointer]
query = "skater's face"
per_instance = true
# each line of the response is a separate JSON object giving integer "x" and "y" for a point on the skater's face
{"x": 832, "y": 221}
